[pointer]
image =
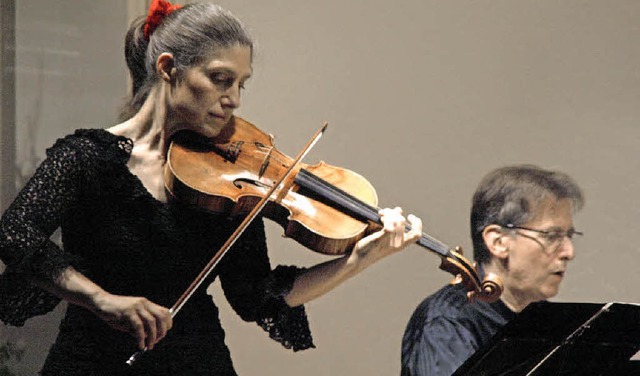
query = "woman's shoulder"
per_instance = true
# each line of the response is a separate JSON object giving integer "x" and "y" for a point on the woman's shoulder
{"x": 92, "y": 142}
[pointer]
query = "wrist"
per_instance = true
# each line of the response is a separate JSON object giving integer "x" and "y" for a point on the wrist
{"x": 360, "y": 259}
{"x": 96, "y": 300}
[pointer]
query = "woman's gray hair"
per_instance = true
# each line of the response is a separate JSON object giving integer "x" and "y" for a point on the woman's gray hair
{"x": 192, "y": 34}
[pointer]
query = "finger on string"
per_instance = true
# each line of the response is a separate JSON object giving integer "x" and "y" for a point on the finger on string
{"x": 399, "y": 228}
{"x": 416, "y": 227}
{"x": 389, "y": 217}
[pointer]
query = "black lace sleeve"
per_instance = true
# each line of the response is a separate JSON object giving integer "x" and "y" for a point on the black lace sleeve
{"x": 25, "y": 230}
{"x": 256, "y": 292}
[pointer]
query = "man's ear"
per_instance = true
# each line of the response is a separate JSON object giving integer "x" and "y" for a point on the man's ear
{"x": 165, "y": 66}
{"x": 496, "y": 240}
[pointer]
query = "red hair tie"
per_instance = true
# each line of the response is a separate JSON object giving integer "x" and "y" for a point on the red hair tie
{"x": 157, "y": 12}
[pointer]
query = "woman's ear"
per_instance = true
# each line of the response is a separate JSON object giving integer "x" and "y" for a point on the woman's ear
{"x": 496, "y": 240}
{"x": 165, "y": 66}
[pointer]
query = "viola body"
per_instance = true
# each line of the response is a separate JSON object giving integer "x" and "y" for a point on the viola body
{"x": 231, "y": 173}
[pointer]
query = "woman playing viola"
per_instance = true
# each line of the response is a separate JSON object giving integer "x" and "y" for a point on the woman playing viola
{"x": 128, "y": 253}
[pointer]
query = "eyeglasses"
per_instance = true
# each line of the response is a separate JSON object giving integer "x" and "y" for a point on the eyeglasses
{"x": 553, "y": 238}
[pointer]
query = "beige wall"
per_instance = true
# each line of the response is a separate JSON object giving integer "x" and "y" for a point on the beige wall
{"x": 422, "y": 98}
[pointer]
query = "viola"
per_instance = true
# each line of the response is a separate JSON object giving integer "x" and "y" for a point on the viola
{"x": 323, "y": 207}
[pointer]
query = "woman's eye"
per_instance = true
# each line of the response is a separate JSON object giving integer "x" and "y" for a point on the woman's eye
{"x": 222, "y": 79}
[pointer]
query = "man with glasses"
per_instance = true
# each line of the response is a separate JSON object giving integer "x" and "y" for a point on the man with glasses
{"x": 522, "y": 231}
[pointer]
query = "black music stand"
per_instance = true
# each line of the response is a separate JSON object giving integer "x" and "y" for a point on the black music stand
{"x": 586, "y": 339}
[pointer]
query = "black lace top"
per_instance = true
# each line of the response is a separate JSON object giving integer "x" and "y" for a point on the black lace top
{"x": 122, "y": 238}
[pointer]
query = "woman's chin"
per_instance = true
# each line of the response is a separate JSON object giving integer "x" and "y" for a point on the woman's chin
{"x": 205, "y": 131}
{"x": 213, "y": 127}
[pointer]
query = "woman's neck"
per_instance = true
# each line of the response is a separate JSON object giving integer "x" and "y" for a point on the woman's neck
{"x": 147, "y": 130}
{"x": 146, "y": 127}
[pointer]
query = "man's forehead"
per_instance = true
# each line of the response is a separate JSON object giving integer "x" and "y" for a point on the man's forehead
{"x": 552, "y": 210}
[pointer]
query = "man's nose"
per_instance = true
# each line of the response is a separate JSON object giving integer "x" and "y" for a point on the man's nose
{"x": 567, "y": 249}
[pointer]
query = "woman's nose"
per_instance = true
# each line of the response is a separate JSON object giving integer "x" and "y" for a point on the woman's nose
{"x": 232, "y": 97}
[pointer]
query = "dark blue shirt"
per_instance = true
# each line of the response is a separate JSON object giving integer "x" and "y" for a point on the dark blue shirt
{"x": 446, "y": 329}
